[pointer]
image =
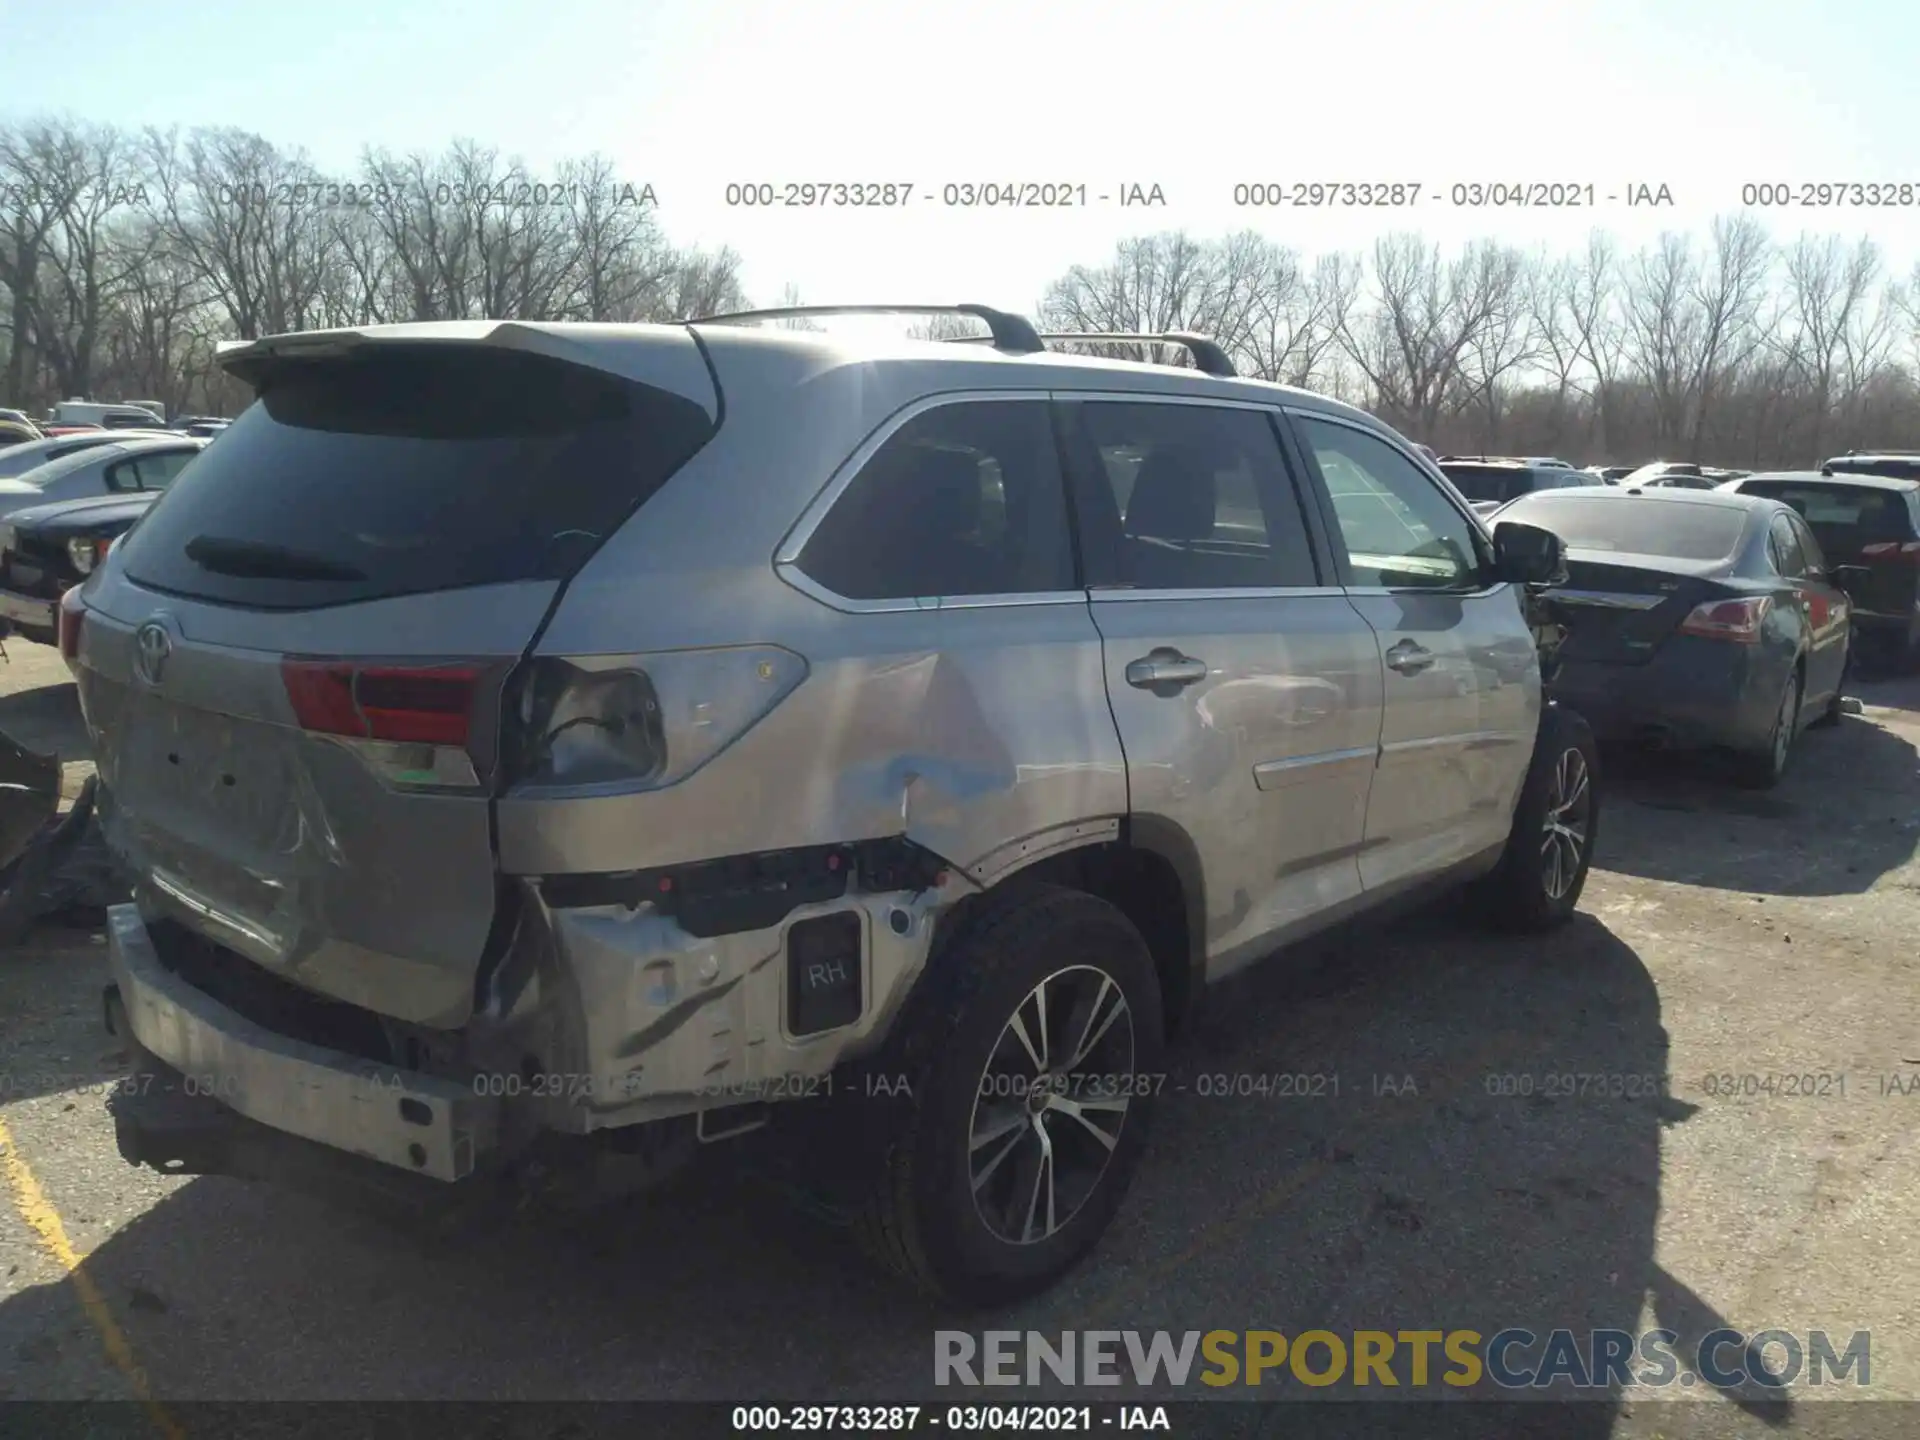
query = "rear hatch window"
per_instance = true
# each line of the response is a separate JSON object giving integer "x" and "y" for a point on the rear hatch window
{"x": 1845, "y": 519}
{"x": 405, "y": 469}
{"x": 1633, "y": 526}
{"x": 1487, "y": 482}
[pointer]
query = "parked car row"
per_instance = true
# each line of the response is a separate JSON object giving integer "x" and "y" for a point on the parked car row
{"x": 701, "y": 713}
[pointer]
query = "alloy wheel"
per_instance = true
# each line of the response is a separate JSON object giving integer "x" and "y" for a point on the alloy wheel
{"x": 1051, "y": 1103}
{"x": 1563, "y": 842}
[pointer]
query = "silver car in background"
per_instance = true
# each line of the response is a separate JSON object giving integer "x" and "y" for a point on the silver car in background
{"x": 548, "y": 745}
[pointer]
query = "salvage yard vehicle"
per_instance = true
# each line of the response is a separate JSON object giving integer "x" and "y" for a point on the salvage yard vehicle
{"x": 1696, "y": 618}
{"x": 544, "y": 748}
{"x": 1868, "y": 528}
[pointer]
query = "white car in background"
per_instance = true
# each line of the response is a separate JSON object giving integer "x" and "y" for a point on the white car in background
{"x": 17, "y": 460}
{"x": 123, "y": 464}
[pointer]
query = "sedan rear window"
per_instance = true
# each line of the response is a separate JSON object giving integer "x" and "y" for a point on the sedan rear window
{"x": 408, "y": 470}
{"x": 1633, "y": 525}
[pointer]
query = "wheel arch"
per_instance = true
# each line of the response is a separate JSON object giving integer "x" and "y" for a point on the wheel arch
{"x": 1148, "y": 868}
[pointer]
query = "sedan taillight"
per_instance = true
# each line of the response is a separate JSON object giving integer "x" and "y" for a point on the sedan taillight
{"x": 1736, "y": 620}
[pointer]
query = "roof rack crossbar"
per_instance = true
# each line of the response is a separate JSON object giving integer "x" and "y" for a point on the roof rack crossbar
{"x": 1007, "y": 331}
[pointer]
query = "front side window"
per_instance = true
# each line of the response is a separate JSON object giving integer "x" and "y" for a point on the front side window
{"x": 963, "y": 499}
{"x": 1400, "y": 530}
{"x": 1196, "y": 497}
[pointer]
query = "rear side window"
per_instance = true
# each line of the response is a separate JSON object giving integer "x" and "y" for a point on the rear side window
{"x": 409, "y": 470}
{"x": 1784, "y": 546}
{"x": 963, "y": 499}
{"x": 157, "y": 471}
{"x": 1196, "y": 497}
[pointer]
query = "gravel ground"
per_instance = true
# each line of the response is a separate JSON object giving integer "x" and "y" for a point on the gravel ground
{"x": 1723, "y": 934}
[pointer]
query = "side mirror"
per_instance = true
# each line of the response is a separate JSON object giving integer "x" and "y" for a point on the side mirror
{"x": 1528, "y": 555}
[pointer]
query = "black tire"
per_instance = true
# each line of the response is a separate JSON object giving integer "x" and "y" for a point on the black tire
{"x": 1525, "y": 892}
{"x": 1763, "y": 769}
{"x": 921, "y": 1219}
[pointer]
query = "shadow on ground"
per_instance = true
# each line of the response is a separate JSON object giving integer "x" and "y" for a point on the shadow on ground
{"x": 1481, "y": 1152}
{"x": 1846, "y": 814}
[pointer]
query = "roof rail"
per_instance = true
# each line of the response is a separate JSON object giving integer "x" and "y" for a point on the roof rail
{"x": 1009, "y": 332}
{"x": 1208, "y": 357}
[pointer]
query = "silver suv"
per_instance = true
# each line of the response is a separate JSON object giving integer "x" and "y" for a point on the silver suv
{"x": 544, "y": 748}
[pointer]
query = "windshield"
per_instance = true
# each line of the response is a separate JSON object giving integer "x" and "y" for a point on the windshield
{"x": 1673, "y": 528}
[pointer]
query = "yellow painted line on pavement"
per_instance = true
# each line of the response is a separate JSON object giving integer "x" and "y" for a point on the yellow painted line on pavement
{"x": 37, "y": 1210}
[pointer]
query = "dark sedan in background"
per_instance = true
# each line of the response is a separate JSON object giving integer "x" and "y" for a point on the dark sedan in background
{"x": 1695, "y": 619}
{"x": 47, "y": 549}
{"x": 1868, "y": 527}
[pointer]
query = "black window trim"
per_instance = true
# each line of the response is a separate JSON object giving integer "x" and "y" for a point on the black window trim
{"x": 1318, "y": 548}
{"x": 1811, "y": 552}
{"x": 1323, "y": 497}
{"x": 786, "y": 557}
{"x": 1781, "y": 522}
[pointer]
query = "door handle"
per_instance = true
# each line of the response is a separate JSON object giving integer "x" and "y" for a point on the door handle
{"x": 1165, "y": 669}
{"x": 1409, "y": 658}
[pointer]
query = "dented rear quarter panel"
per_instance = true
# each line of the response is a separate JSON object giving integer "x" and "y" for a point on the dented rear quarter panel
{"x": 970, "y": 730}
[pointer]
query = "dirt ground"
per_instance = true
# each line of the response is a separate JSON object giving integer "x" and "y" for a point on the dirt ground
{"x": 1726, "y": 938}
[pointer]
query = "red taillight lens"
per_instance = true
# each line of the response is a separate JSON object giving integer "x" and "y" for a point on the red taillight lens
{"x": 420, "y": 705}
{"x": 1737, "y": 620}
{"x": 73, "y": 615}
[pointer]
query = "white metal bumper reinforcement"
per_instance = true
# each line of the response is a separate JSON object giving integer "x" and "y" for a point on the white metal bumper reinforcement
{"x": 418, "y": 1123}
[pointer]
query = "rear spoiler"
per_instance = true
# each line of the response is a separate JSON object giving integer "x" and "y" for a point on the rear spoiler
{"x": 663, "y": 356}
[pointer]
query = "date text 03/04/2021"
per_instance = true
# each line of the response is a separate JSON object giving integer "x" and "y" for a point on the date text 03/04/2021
{"x": 903, "y": 1419}
{"x": 1464, "y": 194}
{"x": 950, "y": 195}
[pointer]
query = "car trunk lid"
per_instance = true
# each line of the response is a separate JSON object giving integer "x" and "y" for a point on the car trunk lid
{"x": 1620, "y": 609}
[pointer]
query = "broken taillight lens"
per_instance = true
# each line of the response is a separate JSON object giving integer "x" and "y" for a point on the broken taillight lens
{"x": 640, "y": 721}
{"x": 425, "y": 705}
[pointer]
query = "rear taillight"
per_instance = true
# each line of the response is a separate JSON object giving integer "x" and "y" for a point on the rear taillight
{"x": 1736, "y": 620}
{"x": 424, "y": 705}
{"x": 641, "y": 721}
{"x": 1893, "y": 550}
{"x": 409, "y": 723}
{"x": 72, "y": 618}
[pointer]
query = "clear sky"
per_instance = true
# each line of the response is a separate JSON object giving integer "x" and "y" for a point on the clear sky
{"x": 690, "y": 95}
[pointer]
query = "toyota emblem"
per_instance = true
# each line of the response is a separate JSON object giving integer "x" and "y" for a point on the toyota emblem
{"x": 151, "y": 647}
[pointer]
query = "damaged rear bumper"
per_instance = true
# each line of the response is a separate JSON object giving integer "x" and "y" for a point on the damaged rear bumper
{"x": 418, "y": 1123}
{"x": 621, "y": 1018}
